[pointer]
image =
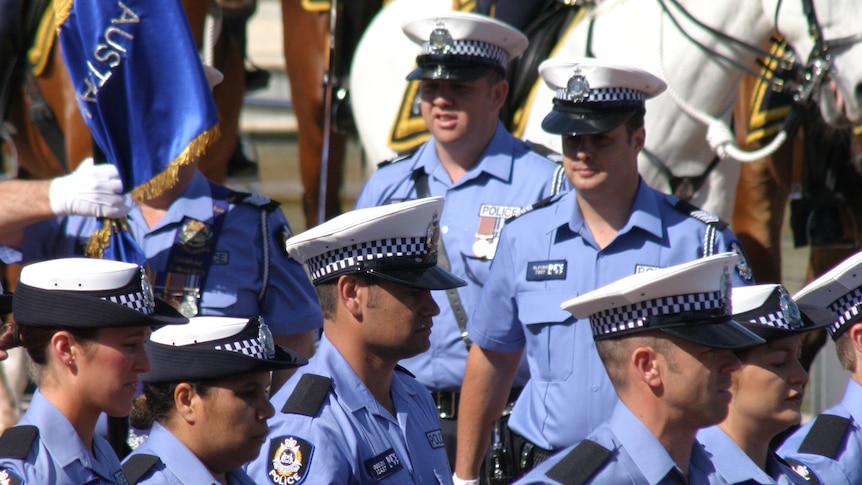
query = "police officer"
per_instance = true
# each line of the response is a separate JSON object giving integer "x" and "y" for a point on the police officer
{"x": 209, "y": 251}
{"x": 767, "y": 390}
{"x": 206, "y": 399}
{"x": 83, "y": 323}
{"x": 352, "y": 415}
{"x": 831, "y": 444}
{"x": 485, "y": 174}
{"x": 612, "y": 225}
{"x": 666, "y": 338}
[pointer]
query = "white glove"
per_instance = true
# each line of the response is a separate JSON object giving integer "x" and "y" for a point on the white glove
{"x": 91, "y": 190}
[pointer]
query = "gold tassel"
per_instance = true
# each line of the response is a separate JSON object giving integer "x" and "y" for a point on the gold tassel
{"x": 61, "y": 11}
{"x": 101, "y": 238}
{"x": 167, "y": 178}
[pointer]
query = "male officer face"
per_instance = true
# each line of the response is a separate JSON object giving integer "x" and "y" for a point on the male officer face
{"x": 697, "y": 380}
{"x": 603, "y": 162}
{"x": 460, "y": 112}
{"x": 396, "y": 319}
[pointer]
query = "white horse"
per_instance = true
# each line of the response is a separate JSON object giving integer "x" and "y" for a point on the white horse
{"x": 660, "y": 36}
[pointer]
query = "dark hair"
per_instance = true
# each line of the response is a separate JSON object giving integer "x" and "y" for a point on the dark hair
{"x": 327, "y": 294}
{"x": 157, "y": 401}
{"x": 37, "y": 339}
{"x": 634, "y": 122}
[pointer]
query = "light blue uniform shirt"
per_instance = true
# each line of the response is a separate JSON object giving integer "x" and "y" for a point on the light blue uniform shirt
{"x": 736, "y": 467}
{"x": 353, "y": 439}
{"x": 637, "y": 457}
{"x": 508, "y": 177}
{"x": 58, "y": 456}
{"x": 548, "y": 256}
{"x": 846, "y": 467}
{"x": 289, "y": 305}
{"x": 178, "y": 465}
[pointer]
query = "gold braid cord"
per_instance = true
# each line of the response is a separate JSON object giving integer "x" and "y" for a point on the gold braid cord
{"x": 167, "y": 178}
{"x": 101, "y": 239}
{"x": 61, "y": 11}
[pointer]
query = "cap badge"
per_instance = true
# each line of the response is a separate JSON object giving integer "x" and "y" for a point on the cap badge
{"x": 433, "y": 237}
{"x": 266, "y": 340}
{"x": 147, "y": 293}
{"x": 440, "y": 40}
{"x": 789, "y": 309}
{"x": 577, "y": 89}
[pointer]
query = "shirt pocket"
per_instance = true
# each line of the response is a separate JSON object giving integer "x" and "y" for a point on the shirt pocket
{"x": 549, "y": 332}
{"x": 476, "y": 269}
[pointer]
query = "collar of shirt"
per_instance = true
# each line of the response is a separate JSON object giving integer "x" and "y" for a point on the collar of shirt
{"x": 645, "y": 214}
{"x": 496, "y": 160}
{"x": 645, "y": 450}
{"x": 352, "y": 392}
{"x": 728, "y": 458}
{"x": 194, "y": 202}
{"x": 62, "y": 441}
{"x": 177, "y": 457}
{"x": 852, "y": 400}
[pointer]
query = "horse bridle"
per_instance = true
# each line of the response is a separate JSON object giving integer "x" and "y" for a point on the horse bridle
{"x": 817, "y": 67}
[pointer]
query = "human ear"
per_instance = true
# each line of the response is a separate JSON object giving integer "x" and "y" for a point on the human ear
{"x": 184, "y": 397}
{"x": 350, "y": 291}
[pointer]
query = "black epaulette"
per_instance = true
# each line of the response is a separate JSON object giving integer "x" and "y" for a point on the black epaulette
{"x": 255, "y": 200}
{"x": 138, "y": 465}
{"x": 536, "y": 205}
{"x": 397, "y": 158}
{"x": 825, "y": 436}
{"x": 402, "y": 369}
{"x": 308, "y": 396}
{"x": 580, "y": 464}
{"x": 700, "y": 214}
{"x": 17, "y": 441}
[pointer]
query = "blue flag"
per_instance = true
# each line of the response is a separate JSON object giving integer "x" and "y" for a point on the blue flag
{"x": 140, "y": 86}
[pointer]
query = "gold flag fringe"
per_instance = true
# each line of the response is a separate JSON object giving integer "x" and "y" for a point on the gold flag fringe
{"x": 101, "y": 239}
{"x": 61, "y": 11}
{"x": 167, "y": 178}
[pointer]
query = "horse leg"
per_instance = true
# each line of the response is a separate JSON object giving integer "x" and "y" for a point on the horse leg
{"x": 228, "y": 96}
{"x": 761, "y": 198}
{"x": 305, "y": 48}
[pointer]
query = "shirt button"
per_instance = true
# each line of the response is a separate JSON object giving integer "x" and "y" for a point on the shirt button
{"x": 595, "y": 388}
{"x": 444, "y": 229}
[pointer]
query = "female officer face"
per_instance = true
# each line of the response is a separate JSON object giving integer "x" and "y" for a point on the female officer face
{"x": 232, "y": 414}
{"x": 769, "y": 387}
{"x": 106, "y": 368}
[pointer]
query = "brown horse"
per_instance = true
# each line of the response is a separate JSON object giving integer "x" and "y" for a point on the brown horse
{"x": 51, "y": 81}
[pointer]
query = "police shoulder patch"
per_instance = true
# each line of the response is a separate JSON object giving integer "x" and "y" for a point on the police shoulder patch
{"x": 9, "y": 477}
{"x": 289, "y": 460}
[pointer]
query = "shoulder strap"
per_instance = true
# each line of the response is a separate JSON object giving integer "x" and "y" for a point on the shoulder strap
{"x": 825, "y": 436}
{"x": 537, "y": 205}
{"x": 397, "y": 158}
{"x": 713, "y": 224}
{"x": 420, "y": 179}
{"x": 17, "y": 441}
{"x": 308, "y": 396}
{"x": 138, "y": 465}
{"x": 245, "y": 198}
{"x": 580, "y": 464}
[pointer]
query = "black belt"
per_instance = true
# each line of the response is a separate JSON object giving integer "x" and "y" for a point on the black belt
{"x": 529, "y": 454}
{"x": 447, "y": 402}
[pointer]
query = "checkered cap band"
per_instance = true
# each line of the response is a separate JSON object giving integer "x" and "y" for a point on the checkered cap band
{"x": 251, "y": 347}
{"x": 470, "y": 48}
{"x": 847, "y": 308}
{"x": 616, "y": 320}
{"x": 353, "y": 256}
{"x": 776, "y": 320}
{"x": 139, "y": 301}
{"x": 603, "y": 95}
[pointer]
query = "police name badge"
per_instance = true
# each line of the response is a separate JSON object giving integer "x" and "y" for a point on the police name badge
{"x": 492, "y": 218}
{"x": 289, "y": 461}
{"x": 383, "y": 465}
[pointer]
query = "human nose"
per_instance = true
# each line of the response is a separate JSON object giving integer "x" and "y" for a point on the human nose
{"x": 266, "y": 411}
{"x": 798, "y": 374}
{"x": 429, "y": 305}
{"x": 142, "y": 362}
{"x": 729, "y": 362}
